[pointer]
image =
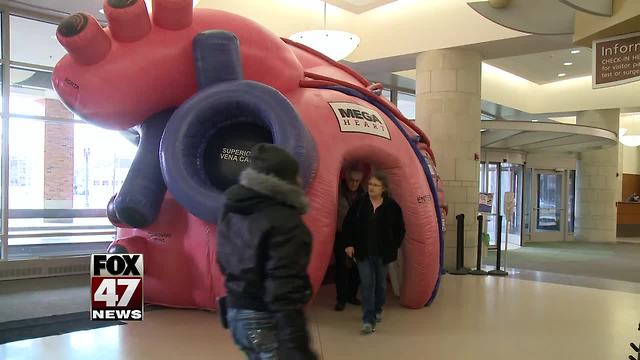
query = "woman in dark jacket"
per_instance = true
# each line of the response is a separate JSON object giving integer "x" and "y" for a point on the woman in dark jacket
{"x": 263, "y": 251}
{"x": 373, "y": 231}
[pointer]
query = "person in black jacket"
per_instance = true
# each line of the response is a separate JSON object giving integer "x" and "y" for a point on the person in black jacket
{"x": 263, "y": 251}
{"x": 373, "y": 231}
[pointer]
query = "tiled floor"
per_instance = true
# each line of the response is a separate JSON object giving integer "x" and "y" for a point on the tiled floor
{"x": 473, "y": 318}
{"x": 31, "y": 298}
{"x": 573, "y": 280}
{"x": 614, "y": 261}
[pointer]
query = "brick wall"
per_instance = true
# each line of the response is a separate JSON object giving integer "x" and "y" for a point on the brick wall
{"x": 58, "y": 157}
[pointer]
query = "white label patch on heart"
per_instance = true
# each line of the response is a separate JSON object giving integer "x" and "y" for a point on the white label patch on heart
{"x": 359, "y": 119}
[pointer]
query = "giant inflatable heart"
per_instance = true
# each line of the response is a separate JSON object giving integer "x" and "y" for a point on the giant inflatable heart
{"x": 201, "y": 87}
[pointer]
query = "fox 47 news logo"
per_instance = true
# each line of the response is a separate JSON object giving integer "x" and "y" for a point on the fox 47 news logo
{"x": 116, "y": 287}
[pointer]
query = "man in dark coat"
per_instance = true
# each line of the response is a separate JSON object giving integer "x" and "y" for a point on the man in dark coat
{"x": 263, "y": 252}
{"x": 347, "y": 279}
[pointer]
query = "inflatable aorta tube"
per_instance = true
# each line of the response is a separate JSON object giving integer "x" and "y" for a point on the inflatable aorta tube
{"x": 138, "y": 202}
{"x": 217, "y": 58}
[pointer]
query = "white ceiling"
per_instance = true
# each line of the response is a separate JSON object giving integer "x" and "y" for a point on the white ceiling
{"x": 359, "y": 6}
{"x": 544, "y": 67}
{"x": 523, "y": 49}
{"x": 544, "y": 137}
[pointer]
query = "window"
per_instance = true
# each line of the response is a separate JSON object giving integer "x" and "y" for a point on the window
{"x": 528, "y": 181}
{"x": 1, "y": 29}
{"x": 62, "y": 172}
{"x": 57, "y": 168}
{"x": 548, "y": 203}
{"x": 107, "y": 155}
{"x": 21, "y": 174}
{"x": 30, "y": 90}
{"x": 497, "y": 179}
{"x": 571, "y": 199}
{"x": 34, "y": 42}
{"x": 407, "y": 105}
{"x": 387, "y": 94}
{"x": 26, "y": 164}
{"x": 2, "y": 230}
{"x": 73, "y": 162}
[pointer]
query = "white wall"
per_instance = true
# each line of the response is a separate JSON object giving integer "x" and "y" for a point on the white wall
{"x": 631, "y": 160}
{"x": 552, "y": 161}
{"x": 512, "y": 157}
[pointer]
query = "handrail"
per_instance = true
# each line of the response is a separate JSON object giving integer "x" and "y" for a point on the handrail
{"x": 56, "y": 213}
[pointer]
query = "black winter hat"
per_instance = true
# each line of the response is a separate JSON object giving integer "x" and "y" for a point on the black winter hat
{"x": 274, "y": 160}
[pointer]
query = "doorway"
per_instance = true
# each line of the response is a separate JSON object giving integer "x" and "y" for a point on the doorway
{"x": 552, "y": 205}
{"x": 498, "y": 178}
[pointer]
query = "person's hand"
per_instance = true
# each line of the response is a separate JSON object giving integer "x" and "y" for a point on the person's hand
{"x": 350, "y": 250}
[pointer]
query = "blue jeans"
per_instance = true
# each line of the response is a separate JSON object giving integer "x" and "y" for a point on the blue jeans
{"x": 254, "y": 332}
{"x": 373, "y": 282}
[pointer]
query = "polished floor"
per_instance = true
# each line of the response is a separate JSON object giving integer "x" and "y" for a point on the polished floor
{"x": 473, "y": 318}
{"x": 39, "y": 297}
{"x": 615, "y": 261}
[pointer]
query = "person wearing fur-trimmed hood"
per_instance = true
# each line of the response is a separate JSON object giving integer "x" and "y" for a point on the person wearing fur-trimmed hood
{"x": 264, "y": 248}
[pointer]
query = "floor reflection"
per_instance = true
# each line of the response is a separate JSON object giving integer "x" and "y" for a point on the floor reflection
{"x": 80, "y": 345}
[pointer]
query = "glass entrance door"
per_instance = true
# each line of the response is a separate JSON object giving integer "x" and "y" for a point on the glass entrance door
{"x": 548, "y": 213}
{"x": 509, "y": 180}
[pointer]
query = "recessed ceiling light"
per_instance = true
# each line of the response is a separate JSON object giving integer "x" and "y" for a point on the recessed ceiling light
{"x": 562, "y": 75}
{"x": 568, "y": 63}
{"x": 575, "y": 51}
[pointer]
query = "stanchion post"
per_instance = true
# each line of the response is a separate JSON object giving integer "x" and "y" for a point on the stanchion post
{"x": 478, "y": 270}
{"x": 460, "y": 269}
{"x": 498, "y": 271}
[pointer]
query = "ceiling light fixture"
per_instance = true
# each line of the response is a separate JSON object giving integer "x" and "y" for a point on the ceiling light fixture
{"x": 148, "y": 3}
{"x": 630, "y": 135}
{"x": 333, "y": 43}
{"x": 575, "y": 51}
{"x": 562, "y": 75}
{"x": 567, "y": 63}
{"x": 629, "y": 140}
{"x": 534, "y": 120}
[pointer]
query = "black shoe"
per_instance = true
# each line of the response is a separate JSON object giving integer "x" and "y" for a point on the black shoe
{"x": 355, "y": 301}
{"x": 339, "y": 306}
